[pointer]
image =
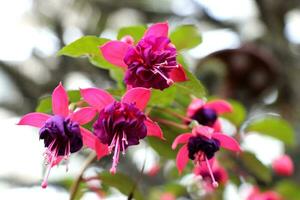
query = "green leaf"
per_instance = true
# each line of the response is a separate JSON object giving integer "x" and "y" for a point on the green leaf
{"x": 238, "y": 115}
{"x": 88, "y": 46}
{"x": 274, "y": 127}
{"x": 255, "y": 167}
{"x": 136, "y": 32}
{"x": 45, "y": 103}
{"x": 163, "y": 98}
{"x": 186, "y": 37}
{"x": 176, "y": 189}
{"x": 288, "y": 189}
{"x": 122, "y": 182}
{"x": 191, "y": 87}
{"x": 85, "y": 46}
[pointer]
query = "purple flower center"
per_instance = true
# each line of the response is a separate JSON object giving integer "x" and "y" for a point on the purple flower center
{"x": 150, "y": 62}
{"x": 61, "y": 135}
{"x": 120, "y": 125}
{"x": 202, "y": 144}
{"x": 205, "y": 116}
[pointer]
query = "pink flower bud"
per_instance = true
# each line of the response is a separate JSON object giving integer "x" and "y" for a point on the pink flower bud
{"x": 283, "y": 166}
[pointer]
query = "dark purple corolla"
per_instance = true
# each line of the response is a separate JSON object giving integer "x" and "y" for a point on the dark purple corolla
{"x": 151, "y": 63}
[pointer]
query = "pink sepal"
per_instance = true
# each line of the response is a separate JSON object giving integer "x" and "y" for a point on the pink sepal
{"x": 182, "y": 158}
{"x": 181, "y": 139}
{"x": 220, "y": 106}
{"x": 84, "y": 115}
{"x": 96, "y": 97}
{"x": 140, "y": 96}
{"x": 114, "y": 52}
{"x": 158, "y": 30}
{"x": 227, "y": 142}
{"x": 34, "y": 119}
{"x": 178, "y": 74}
{"x": 60, "y": 101}
{"x": 153, "y": 129}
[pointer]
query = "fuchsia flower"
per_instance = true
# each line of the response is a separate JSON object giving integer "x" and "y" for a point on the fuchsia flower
{"x": 283, "y": 166}
{"x": 200, "y": 146}
{"x": 151, "y": 63}
{"x": 219, "y": 173}
{"x": 61, "y": 132}
{"x": 206, "y": 114}
{"x": 121, "y": 124}
{"x": 267, "y": 195}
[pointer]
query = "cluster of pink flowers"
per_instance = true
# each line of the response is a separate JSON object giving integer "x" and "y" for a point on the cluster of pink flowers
{"x": 150, "y": 63}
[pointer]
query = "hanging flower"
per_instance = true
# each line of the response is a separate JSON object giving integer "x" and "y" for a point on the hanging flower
{"x": 201, "y": 146}
{"x": 62, "y": 132}
{"x": 151, "y": 63}
{"x": 219, "y": 173}
{"x": 283, "y": 166}
{"x": 206, "y": 113}
{"x": 121, "y": 123}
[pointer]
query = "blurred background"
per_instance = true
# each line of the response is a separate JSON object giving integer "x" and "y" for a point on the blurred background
{"x": 250, "y": 52}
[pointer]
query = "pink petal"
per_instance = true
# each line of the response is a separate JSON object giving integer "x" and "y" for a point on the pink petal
{"x": 140, "y": 96}
{"x": 178, "y": 74}
{"x": 101, "y": 149}
{"x": 153, "y": 129}
{"x": 34, "y": 119}
{"x": 89, "y": 139}
{"x": 114, "y": 52}
{"x": 60, "y": 101}
{"x": 96, "y": 97}
{"x": 220, "y": 106}
{"x": 182, "y": 158}
{"x": 84, "y": 115}
{"x": 217, "y": 126}
{"x": 227, "y": 142}
{"x": 195, "y": 105}
{"x": 158, "y": 30}
{"x": 180, "y": 139}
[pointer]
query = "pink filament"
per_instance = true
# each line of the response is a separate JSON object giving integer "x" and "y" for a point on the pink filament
{"x": 117, "y": 147}
{"x": 214, "y": 182}
{"x": 52, "y": 158}
{"x": 157, "y": 68}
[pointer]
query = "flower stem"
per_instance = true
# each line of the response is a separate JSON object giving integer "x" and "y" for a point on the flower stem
{"x": 171, "y": 123}
{"x": 91, "y": 158}
{"x": 171, "y": 112}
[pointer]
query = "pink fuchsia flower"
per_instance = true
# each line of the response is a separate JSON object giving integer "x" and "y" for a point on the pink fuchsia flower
{"x": 151, "y": 63}
{"x": 62, "y": 132}
{"x": 267, "y": 195}
{"x": 201, "y": 146}
{"x": 121, "y": 124}
{"x": 219, "y": 173}
{"x": 283, "y": 166}
{"x": 206, "y": 113}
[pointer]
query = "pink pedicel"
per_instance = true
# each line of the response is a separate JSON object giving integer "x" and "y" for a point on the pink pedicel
{"x": 201, "y": 146}
{"x": 121, "y": 124}
{"x": 61, "y": 132}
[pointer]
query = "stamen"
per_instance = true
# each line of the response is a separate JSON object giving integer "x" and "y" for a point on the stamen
{"x": 124, "y": 140}
{"x": 214, "y": 182}
{"x": 113, "y": 168}
{"x": 51, "y": 156}
{"x": 112, "y": 144}
{"x": 157, "y": 71}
